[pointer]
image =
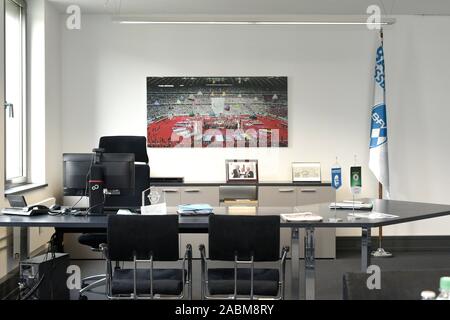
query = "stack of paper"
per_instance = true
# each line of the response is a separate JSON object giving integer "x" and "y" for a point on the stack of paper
{"x": 301, "y": 216}
{"x": 195, "y": 209}
{"x": 357, "y": 205}
{"x": 373, "y": 215}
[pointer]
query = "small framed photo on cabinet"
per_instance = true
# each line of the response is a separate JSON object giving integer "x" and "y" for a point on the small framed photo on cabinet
{"x": 306, "y": 172}
{"x": 244, "y": 171}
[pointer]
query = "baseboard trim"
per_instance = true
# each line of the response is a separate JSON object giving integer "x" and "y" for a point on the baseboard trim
{"x": 397, "y": 243}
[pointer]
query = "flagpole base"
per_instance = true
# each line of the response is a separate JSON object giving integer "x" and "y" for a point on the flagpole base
{"x": 381, "y": 253}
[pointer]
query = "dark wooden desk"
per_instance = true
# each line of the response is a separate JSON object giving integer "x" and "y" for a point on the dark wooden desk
{"x": 406, "y": 212}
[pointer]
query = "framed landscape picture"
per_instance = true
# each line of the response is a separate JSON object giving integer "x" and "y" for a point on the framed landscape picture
{"x": 306, "y": 172}
{"x": 221, "y": 112}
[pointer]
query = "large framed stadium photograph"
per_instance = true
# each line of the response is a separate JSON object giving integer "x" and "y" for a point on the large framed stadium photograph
{"x": 220, "y": 112}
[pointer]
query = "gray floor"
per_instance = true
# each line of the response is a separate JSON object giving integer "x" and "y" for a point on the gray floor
{"x": 328, "y": 272}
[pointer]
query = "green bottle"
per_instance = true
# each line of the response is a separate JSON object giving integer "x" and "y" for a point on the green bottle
{"x": 444, "y": 288}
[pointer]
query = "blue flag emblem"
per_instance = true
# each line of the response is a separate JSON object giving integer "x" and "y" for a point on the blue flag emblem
{"x": 378, "y": 134}
{"x": 336, "y": 178}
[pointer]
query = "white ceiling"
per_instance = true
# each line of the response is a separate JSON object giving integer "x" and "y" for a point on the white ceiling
{"x": 257, "y": 7}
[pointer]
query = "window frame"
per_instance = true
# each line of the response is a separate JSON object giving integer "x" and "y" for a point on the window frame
{"x": 23, "y": 179}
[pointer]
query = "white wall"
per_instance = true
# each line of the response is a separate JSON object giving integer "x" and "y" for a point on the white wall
{"x": 105, "y": 65}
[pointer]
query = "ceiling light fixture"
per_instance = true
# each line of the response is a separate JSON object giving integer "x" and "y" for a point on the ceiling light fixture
{"x": 317, "y": 21}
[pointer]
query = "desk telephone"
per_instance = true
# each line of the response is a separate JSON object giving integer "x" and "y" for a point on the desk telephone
{"x": 27, "y": 211}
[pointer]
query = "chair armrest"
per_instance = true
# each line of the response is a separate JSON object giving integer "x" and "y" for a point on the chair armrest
{"x": 284, "y": 253}
{"x": 202, "y": 252}
{"x": 187, "y": 255}
{"x": 188, "y": 252}
{"x": 104, "y": 248}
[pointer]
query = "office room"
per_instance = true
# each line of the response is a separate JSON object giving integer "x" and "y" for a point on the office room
{"x": 248, "y": 150}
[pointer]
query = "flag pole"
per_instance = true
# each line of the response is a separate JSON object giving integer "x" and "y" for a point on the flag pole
{"x": 380, "y": 252}
{"x": 380, "y": 229}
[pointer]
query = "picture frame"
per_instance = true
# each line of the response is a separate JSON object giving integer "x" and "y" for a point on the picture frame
{"x": 306, "y": 172}
{"x": 217, "y": 111}
{"x": 242, "y": 171}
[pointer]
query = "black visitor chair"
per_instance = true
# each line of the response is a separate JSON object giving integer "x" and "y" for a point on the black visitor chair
{"x": 146, "y": 240}
{"x": 245, "y": 241}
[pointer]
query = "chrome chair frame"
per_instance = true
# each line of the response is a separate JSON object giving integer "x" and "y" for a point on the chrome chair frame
{"x": 187, "y": 259}
{"x": 281, "y": 283}
{"x": 99, "y": 280}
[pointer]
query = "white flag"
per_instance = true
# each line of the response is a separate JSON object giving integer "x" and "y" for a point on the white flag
{"x": 379, "y": 162}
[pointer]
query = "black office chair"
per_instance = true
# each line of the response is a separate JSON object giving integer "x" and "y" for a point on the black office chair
{"x": 395, "y": 285}
{"x": 119, "y": 144}
{"x": 244, "y": 240}
{"x": 138, "y": 146}
{"x": 146, "y": 239}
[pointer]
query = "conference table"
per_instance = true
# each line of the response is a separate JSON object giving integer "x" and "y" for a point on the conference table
{"x": 403, "y": 210}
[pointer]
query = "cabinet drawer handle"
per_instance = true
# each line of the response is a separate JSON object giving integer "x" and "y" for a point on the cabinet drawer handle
{"x": 170, "y": 190}
{"x": 308, "y": 190}
{"x": 286, "y": 190}
{"x": 192, "y": 190}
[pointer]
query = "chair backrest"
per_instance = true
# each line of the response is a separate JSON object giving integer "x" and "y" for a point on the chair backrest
{"x": 143, "y": 236}
{"x": 126, "y": 144}
{"x": 138, "y": 146}
{"x": 244, "y": 236}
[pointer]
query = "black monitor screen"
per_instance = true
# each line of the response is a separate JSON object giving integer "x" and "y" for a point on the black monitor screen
{"x": 118, "y": 172}
{"x": 76, "y": 169}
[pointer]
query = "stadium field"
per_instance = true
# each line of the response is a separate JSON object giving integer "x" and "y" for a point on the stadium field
{"x": 204, "y": 131}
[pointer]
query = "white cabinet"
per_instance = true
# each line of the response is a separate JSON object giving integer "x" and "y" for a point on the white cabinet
{"x": 172, "y": 195}
{"x": 291, "y": 196}
{"x": 310, "y": 195}
{"x": 209, "y": 195}
{"x": 195, "y": 239}
{"x": 277, "y": 196}
{"x": 189, "y": 195}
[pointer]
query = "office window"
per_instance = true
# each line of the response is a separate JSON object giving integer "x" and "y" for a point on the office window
{"x": 15, "y": 104}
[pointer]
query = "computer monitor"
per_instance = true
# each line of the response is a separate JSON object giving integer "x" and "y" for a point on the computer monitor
{"x": 87, "y": 174}
{"x": 118, "y": 171}
{"x": 76, "y": 168}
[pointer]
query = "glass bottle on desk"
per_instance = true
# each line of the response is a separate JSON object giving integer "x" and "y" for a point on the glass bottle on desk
{"x": 444, "y": 289}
